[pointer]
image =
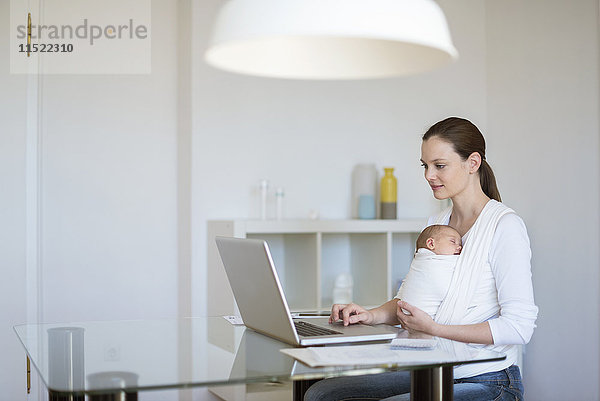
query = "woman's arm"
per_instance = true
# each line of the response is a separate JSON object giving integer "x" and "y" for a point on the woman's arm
{"x": 510, "y": 260}
{"x": 420, "y": 321}
{"x": 352, "y": 314}
{"x": 386, "y": 313}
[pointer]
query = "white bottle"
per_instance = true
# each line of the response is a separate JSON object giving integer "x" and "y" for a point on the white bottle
{"x": 264, "y": 191}
{"x": 342, "y": 289}
{"x": 279, "y": 198}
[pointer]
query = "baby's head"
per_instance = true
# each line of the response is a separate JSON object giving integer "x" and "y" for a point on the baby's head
{"x": 441, "y": 240}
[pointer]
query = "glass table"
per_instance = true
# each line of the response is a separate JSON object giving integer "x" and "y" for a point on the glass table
{"x": 122, "y": 358}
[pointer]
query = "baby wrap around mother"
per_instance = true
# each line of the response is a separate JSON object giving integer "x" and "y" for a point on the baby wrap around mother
{"x": 490, "y": 299}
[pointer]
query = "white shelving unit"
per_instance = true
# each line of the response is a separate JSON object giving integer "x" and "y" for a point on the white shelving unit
{"x": 309, "y": 254}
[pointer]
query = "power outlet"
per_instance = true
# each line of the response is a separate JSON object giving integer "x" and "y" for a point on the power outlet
{"x": 112, "y": 352}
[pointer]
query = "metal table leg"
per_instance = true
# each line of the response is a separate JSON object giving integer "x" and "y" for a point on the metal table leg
{"x": 300, "y": 387}
{"x": 54, "y": 396}
{"x": 116, "y": 396}
{"x": 115, "y": 380}
{"x": 432, "y": 384}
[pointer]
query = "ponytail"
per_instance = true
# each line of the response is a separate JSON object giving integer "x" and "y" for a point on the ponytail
{"x": 488, "y": 181}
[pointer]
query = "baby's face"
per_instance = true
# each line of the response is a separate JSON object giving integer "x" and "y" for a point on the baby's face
{"x": 447, "y": 242}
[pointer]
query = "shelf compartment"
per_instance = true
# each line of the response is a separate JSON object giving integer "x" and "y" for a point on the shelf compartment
{"x": 295, "y": 258}
{"x": 361, "y": 255}
{"x": 403, "y": 249}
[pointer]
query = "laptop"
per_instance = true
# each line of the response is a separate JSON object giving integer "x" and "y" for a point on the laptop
{"x": 262, "y": 304}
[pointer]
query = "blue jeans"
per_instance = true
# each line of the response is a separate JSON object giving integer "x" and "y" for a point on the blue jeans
{"x": 504, "y": 385}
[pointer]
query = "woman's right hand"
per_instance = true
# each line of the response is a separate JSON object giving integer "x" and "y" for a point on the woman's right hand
{"x": 350, "y": 314}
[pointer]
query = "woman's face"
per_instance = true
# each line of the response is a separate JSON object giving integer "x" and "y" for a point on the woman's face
{"x": 445, "y": 171}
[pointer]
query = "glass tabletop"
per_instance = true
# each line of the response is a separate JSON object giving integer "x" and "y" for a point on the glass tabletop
{"x": 97, "y": 357}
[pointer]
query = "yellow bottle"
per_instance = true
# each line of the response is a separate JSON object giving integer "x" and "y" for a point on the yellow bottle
{"x": 389, "y": 194}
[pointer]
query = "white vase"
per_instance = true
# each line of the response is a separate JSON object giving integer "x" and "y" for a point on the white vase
{"x": 364, "y": 183}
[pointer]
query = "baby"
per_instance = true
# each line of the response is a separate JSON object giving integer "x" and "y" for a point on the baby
{"x": 439, "y": 239}
{"x": 427, "y": 282}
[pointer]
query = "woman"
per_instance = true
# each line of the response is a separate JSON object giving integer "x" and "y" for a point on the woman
{"x": 495, "y": 309}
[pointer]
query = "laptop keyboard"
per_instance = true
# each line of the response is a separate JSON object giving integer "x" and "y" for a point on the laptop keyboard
{"x": 310, "y": 330}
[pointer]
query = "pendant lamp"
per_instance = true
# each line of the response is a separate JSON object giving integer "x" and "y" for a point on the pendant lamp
{"x": 330, "y": 39}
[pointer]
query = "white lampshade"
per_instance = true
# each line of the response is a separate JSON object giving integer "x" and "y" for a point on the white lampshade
{"x": 330, "y": 39}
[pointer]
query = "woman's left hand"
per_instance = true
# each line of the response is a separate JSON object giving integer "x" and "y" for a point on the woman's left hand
{"x": 417, "y": 321}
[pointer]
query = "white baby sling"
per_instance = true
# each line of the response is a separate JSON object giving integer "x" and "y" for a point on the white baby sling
{"x": 470, "y": 264}
{"x": 427, "y": 281}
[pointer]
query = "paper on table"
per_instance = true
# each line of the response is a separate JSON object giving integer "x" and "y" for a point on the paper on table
{"x": 371, "y": 354}
{"x": 417, "y": 341}
{"x": 413, "y": 343}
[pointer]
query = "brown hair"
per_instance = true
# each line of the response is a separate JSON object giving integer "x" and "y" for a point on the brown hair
{"x": 466, "y": 139}
{"x": 429, "y": 232}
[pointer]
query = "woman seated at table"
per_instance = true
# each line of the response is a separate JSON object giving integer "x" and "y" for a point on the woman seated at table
{"x": 490, "y": 299}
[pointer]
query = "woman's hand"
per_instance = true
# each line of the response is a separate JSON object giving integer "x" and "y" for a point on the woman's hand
{"x": 350, "y": 314}
{"x": 417, "y": 320}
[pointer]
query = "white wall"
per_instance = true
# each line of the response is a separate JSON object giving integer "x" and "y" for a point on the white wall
{"x": 109, "y": 188}
{"x": 543, "y": 113}
{"x": 13, "y": 306}
{"x": 108, "y": 229}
